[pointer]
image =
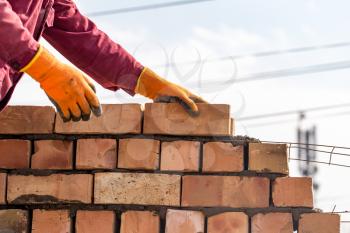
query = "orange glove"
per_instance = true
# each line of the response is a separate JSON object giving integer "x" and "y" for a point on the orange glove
{"x": 71, "y": 92}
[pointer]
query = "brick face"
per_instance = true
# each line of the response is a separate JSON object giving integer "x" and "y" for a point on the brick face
{"x": 14, "y": 154}
{"x": 319, "y": 223}
{"x": 53, "y": 221}
{"x": 2, "y": 188}
{"x": 235, "y": 222}
{"x": 13, "y": 221}
{"x": 95, "y": 221}
{"x": 139, "y": 222}
{"x": 272, "y": 223}
{"x": 182, "y": 221}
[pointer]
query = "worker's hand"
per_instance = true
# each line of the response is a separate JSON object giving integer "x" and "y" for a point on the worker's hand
{"x": 70, "y": 91}
{"x": 156, "y": 88}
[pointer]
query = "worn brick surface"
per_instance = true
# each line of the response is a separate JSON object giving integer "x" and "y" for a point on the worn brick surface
{"x": 268, "y": 158}
{"x": 2, "y": 188}
{"x": 116, "y": 119}
{"x": 52, "y": 154}
{"x": 180, "y": 156}
{"x": 182, "y": 221}
{"x": 137, "y": 188}
{"x": 27, "y": 120}
{"x": 14, "y": 154}
{"x": 49, "y": 189}
{"x": 13, "y": 221}
{"x": 172, "y": 119}
{"x": 134, "y": 153}
{"x": 293, "y": 192}
{"x": 272, "y": 223}
{"x": 222, "y": 157}
{"x": 139, "y": 222}
{"x": 225, "y": 191}
{"x": 53, "y": 221}
{"x": 96, "y": 154}
{"x": 229, "y": 222}
{"x": 95, "y": 221}
{"x": 319, "y": 223}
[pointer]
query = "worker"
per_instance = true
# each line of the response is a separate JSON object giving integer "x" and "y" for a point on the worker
{"x": 23, "y": 22}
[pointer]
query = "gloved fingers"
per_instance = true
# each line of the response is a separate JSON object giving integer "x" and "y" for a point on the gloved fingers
{"x": 93, "y": 102}
{"x": 85, "y": 109}
{"x": 64, "y": 112}
{"x": 75, "y": 112}
{"x": 190, "y": 105}
{"x": 92, "y": 86}
{"x": 198, "y": 99}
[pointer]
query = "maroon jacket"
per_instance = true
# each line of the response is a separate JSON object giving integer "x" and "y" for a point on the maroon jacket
{"x": 22, "y": 22}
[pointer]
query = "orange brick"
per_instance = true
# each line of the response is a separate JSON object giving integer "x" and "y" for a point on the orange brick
{"x": 272, "y": 223}
{"x": 319, "y": 223}
{"x": 134, "y": 153}
{"x": 14, "y": 154}
{"x": 180, "y": 156}
{"x": 13, "y": 221}
{"x": 235, "y": 222}
{"x": 292, "y": 192}
{"x": 268, "y": 158}
{"x": 56, "y": 188}
{"x": 52, "y": 154}
{"x": 116, "y": 119}
{"x": 222, "y": 157}
{"x": 96, "y": 154}
{"x": 182, "y": 221}
{"x": 137, "y": 188}
{"x": 53, "y": 221}
{"x": 139, "y": 222}
{"x": 95, "y": 221}
{"x": 172, "y": 119}
{"x": 225, "y": 191}
{"x": 2, "y": 188}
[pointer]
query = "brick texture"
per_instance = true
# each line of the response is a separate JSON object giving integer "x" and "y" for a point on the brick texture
{"x": 319, "y": 223}
{"x": 137, "y": 188}
{"x": 139, "y": 222}
{"x": 181, "y": 221}
{"x": 14, "y": 154}
{"x": 272, "y": 223}
{"x": 49, "y": 189}
{"x": 13, "y": 221}
{"x": 232, "y": 222}
{"x": 225, "y": 191}
{"x": 53, "y": 221}
{"x": 172, "y": 119}
{"x": 180, "y": 156}
{"x": 2, "y": 188}
{"x": 95, "y": 221}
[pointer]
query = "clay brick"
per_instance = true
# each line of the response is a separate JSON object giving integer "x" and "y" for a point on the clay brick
{"x": 292, "y": 192}
{"x": 14, "y": 154}
{"x": 96, "y": 154}
{"x": 222, "y": 157}
{"x": 225, "y": 191}
{"x": 172, "y": 119}
{"x": 95, "y": 221}
{"x": 13, "y": 221}
{"x": 2, "y": 188}
{"x": 52, "y": 154}
{"x": 137, "y": 188}
{"x": 115, "y": 119}
{"x": 180, "y": 156}
{"x": 53, "y": 221}
{"x": 140, "y": 222}
{"x": 272, "y": 223}
{"x": 27, "y": 120}
{"x": 134, "y": 153}
{"x": 319, "y": 223}
{"x": 182, "y": 221}
{"x": 56, "y": 188}
{"x": 235, "y": 222}
{"x": 268, "y": 158}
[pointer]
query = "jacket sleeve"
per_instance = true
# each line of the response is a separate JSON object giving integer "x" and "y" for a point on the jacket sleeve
{"x": 17, "y": 45}
{"x": 91, "y": 50}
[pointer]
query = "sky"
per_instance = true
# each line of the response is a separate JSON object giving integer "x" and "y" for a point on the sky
{"x": 205, "y": 31}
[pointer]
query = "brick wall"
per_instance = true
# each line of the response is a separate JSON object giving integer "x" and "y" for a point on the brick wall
{"x": 151, "y": 171}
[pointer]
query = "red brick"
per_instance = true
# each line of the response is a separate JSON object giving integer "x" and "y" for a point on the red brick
{"x": 222, "y": 157}
{"x": 235, "y": 222}
{"x": 140, "y": 222}
{"x": 182, "y": 221}
{"x": 13, "y": 221}
{"x": 292, "y": 192}
{"x": 96, "y": 154}
{"x": 137, "y": 188}
{"x": 225, "y": 191}
{"x": 268, "y": 158}
{"x": 27, "y": 120}
{"x": 180, "y": 156}
{"x": 14, "y": 154}
{"x": 272, "y": 223}
{"x": 115, "y": 119}
{"x": 95, "y": 221}
{"x": 172, "y": 119}
{"x": 56, "y": 188}
{"x": 53, "y": 221}
{"x": 52, "y": 154}
{"x": 2, "y": 188}
{"x": 136, "y": 153}
{"x": 319, "y": 223}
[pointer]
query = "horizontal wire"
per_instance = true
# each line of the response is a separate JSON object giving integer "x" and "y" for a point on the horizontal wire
{"x": 320, "y": 162}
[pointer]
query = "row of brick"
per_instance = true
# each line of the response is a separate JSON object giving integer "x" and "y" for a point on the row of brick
{"x": 177, "y": 221}
{"x": 159, "y": 118}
